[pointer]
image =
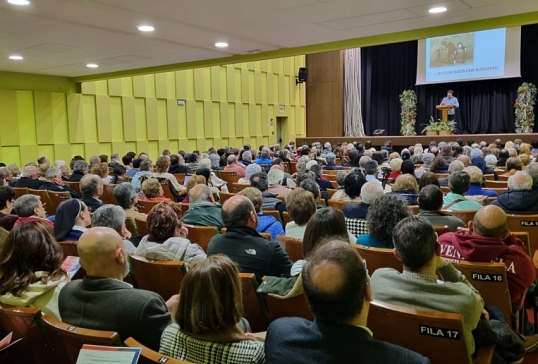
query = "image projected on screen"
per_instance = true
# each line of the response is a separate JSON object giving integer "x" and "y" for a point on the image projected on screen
{"x": 452, "y": 50}
{"x": 479, "y": 55}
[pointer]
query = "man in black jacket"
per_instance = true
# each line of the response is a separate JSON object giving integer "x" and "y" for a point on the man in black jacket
{"x": 55, "y": 183}
{"x": 177, "y": 165}
{"x": 241, "y": 243}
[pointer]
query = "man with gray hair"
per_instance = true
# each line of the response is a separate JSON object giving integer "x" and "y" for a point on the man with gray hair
{"x": 275, "y": 177}
{"x": 80, "y": 168}
{"x": 246, "y": 158}
{"x": 145, "y": 171}
{"x": 30, "y": 208}
{"x": 264, "y": 157}
{"x": 532, "y": 170}
{"x": 454, "y": 166}
{"x": 29, "y": 178}
{"x": 113, "y": 217}
{"x": 330, "y": 158}
{"x": 55, "y": 183}
{"x": 371, "y": 169}
{"x": 95, "y": 160}
{"x": 520, "y": 198}
{"x": 234, "y": 165}
{"x": 370, "y": 191}
{"x": 203, "y": 210}
{"x": 91, "y": 186}
{"x": 62, "y": 166}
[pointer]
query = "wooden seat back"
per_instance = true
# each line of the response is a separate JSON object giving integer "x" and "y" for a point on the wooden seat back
{"x": 489, "y": 200}
{"x": 167, "y": 192}
{"x": 292, "y": 246}
{"x": 339, "y": 205}
{"x": 496, "y": 184}
{"x": 274, "y": 213}
{"x": 238, "y": 187}
{"x": 141, "y": 226}
{"x": 293, "y": 167}
{"x": 525, "y": 223}
{"x": 378, "y": 258}
{"x": 445, "y": 189}
{"x": 45, "y": 200}
{"x": 490, "y": 280}
{"x": 22, "y": 321}
{"x": 183, "y": 207}
{"x": 20, "y": 191}
{"x": 503, "y": 178}
{"x": 440, "y": 230}
{"x": 286, "y": 217}
{"x": 224, "y": 196}
{"x": 67, "y": 340}
{"x": 144, "y": 206}
{"x": 160, "y": 276}
{"x": 69, "y": 248}
{"x": 108, "y": 196}
{"x": 58, "y": 197}
{"x": 75, "y": 186}
{"x": 229, "y": 176}
{"x": 331, "y": 192}
{"x": 201, "y": 235}
{"x": 254, "y": 309}
{"x": 489, "y": 177}
{"x": 180, "y": 177}
{"x": 464, "y": 215}
{"x": 414, "y": 209}
{"x": 426, "y": 332}
{"x": 148, "y": 356}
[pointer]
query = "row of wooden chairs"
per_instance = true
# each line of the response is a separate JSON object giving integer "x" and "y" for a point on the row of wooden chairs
{"x": 50, "y": 199}
{"x": 47, "y": 340}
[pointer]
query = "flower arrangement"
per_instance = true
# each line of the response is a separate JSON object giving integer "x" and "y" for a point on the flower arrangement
{"x": 408, "y": 115}
{"x": 526, "y": 96}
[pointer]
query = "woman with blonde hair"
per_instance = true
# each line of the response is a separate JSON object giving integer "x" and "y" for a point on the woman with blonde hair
{"x": 153, "y": 191}
{"x": 406, "y": 186}
{"x": 161, "y": 171}
{"x": 30, "y": 268}
{"x": 205, "y": 328}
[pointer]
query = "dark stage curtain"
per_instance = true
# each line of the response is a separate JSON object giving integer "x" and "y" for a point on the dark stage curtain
{"x": 485, "y": 106}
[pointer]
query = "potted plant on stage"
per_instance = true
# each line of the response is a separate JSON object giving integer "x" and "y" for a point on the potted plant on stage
{"x": 446, "y": 127}
{"x": 408, "y": 114}
{"x": 526, "y": 96}
{"x": 432, "y": 128}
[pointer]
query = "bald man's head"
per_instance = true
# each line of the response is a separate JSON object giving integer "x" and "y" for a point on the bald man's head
{"x": 465, "y": 160}
{"x": 102, "y": 253}
{"x": 489, "y": 221}
{"x": 334, "y": 281}
{"x": 239, "y": 211}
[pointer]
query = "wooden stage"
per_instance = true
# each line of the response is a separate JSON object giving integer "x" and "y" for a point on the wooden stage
{"x": 399, "y": 142}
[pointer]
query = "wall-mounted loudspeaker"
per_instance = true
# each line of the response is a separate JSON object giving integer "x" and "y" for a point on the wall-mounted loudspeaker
{"x": 302, "y": 76}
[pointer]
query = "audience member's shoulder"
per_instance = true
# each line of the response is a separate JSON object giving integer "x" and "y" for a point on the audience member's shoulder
{"x": 396, "y": 354}
{"x": 288, "y": 324}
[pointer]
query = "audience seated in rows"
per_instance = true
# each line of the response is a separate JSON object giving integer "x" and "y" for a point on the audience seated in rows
{"x": 146, "y": 170}
{"x": 520, "y": 198}
{"x": 266, "y": 223}
{"x": 430, "y": 202}
{"x": 167, "y": 237}
{"x": 325, "y": 223}
{"x": 459, "y": 183}
{"x": 55, "y": 183}
{"x": 207, "y": 324}
{"x": 384, "y": 213}
{"x": 241, "y": 243}
{"x": 30, "y": 268}
{"x": 102, "y": 301}
{"x": 71, "y": 220}
{"x": 454, "y": 166}
{"x": 489, "y": 240}
{"x": 336, "y": 285}
{"x": 29, "y": 178}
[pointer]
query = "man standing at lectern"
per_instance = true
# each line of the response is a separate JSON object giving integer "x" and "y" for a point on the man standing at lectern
{"x": 451, "y": 100}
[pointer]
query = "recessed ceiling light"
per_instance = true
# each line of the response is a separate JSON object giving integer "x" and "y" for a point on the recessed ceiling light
{"x": 92, "y": 65}
{"x": 16, "y": 57}
{"x": 221, "y": 44}
{"x": 437, "y": 10}
{"x": 19, "y": 2}
{"x": 146, "y": 28}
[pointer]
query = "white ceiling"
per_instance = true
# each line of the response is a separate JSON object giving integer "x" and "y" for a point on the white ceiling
{"x": 58, "y": 37}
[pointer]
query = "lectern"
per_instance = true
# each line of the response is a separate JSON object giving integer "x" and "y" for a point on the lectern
{"x": 444, "y": 111}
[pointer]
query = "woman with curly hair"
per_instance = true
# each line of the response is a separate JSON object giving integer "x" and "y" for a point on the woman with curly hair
{"x": 153, "y": 190}
{"x": 30, "y": 268}
{"x": 101, "y": 169}
{"x": 383, "y": 215}
{"x": 439, "y": 165}
{"x": 167, "y": 236}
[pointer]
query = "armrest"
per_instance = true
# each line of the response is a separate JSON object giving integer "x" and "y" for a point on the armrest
{"x": 485, "y": 355}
